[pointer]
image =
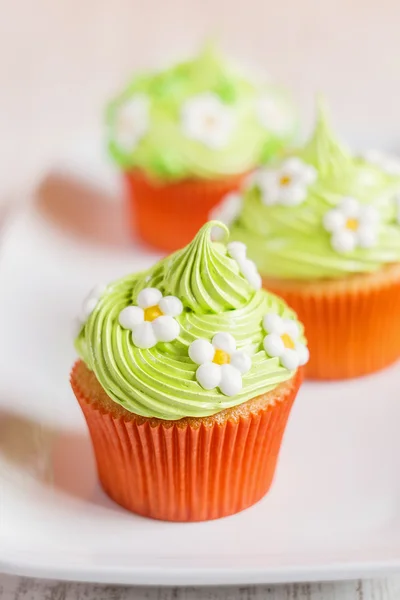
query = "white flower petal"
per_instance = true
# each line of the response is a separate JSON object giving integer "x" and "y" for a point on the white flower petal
{"x": 131, "y": 316}
{"x": 143, "y": 335}
{"x": 166, "y": 328}
{"x": 344, "y": 241}
{"x": 293, "y": 195}
{"x": 228, "y": 209}
{"x": 254, "y": 280}
{"x": 224, "y": 341}
{"x": 366, "y": 236}
{"x": 349, "y": 206}
{"x": 293, "y": 166}
{"x": 131, "y": 122}
{"x": 241, "y": 361}
{"x": 334, "y": 220}
{"x": 273, "y": 345}
{"x": 267, "y": 180}
{"x": 291, "y": 328}
{"x": 269, "y": 188}
{"x": 270, "y": 196}
{"x": 369, "y": 215}
{"x": 309, "y": 175}
{"x": 91, "y": 300}
{"x": 209, "y": 375}
{"x": 237, "y": 250}
{"x": 206, "y": 119}
{"x": 171, "y": 306}
{"x": 149, "y": 297}
{"x": 231, "y": 380}
{"x": 274, "y": 116}
{"x": 250, "y": 266}
{"x": 267, "y": 177}
{"x": 201, "y": 351}
{"x": 303, "y": 354}
{"x": 249, "y": 270}
{"x": 88, "y": 307}
{"x": 290, "y": 359}
{"x": 98, "y": 290}
{"x": 273, "y": 323}
{"x": 219, "y": 138}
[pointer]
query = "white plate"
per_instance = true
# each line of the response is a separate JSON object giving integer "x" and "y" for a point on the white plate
{"x": 333, "y": 512}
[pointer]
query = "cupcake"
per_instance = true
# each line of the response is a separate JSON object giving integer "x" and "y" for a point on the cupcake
{"x": 186, "y": 378}
{"x": 323, "y": 227}
{"x": 186, "y": 136}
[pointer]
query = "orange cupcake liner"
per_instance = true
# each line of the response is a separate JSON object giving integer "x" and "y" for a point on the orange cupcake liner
{"x": 168, "y": 215}
{"x": 176, "y": 472}
{"x": 352, "y": 327}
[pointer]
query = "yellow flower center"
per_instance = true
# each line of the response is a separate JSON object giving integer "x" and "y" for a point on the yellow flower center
{"x": 221, "y": 357}
{"x": 285, "y": 180}
{"x": 352, "y": 224}
{"x": 152, "y": 312}
{"x": 287, "y": 341}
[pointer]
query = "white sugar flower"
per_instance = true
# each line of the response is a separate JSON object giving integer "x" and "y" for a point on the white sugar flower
{"x": 282, "y": 341}
{"x": 206, "y": 119}
{"x": 287, "y": 184}
{"x": 352, "y": 225}
{"x": 221, "y": 365}
{"x": 131, "y": 122}
{"x": 152, "y": 320}
{"x": 389, "y": 164}
{"x": 274, "y": 115}
{"x": 90, "y": 303}
{"x": 238, "y": 251}
{"x": 228, "y": 209}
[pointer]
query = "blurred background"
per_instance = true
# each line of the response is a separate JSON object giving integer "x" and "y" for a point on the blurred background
{"x": 60, "y": 60}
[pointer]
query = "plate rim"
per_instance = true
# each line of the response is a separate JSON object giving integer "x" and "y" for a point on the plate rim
{"x": 153, "y": 575}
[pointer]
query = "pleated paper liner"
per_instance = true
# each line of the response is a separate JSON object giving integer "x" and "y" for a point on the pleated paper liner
{"x": 352, "y": 325}
{"x": 187, "y": 470}
{"x": 168, "y": 215}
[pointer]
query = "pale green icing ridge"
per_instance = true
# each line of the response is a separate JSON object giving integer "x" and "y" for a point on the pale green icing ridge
{"x": 160, "y": 382}
{"x": 166, "y": 154}
{"x": 291, "y": 242}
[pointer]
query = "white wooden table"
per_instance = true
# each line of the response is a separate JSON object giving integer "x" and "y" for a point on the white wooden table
{"x": 16, "y": 588}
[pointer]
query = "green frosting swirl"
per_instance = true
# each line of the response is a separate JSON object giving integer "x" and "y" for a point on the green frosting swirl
{"x": 166, "y": 153}
{"x": 292, "y": 243}
{"x": 161, "y": 381}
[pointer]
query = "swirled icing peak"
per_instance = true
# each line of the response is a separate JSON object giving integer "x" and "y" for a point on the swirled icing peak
{"x": 318, "y": 213}
{"x": 201, "y": 118}
{"x": 191, "y": 336}
{"x": 328, "y": 155}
